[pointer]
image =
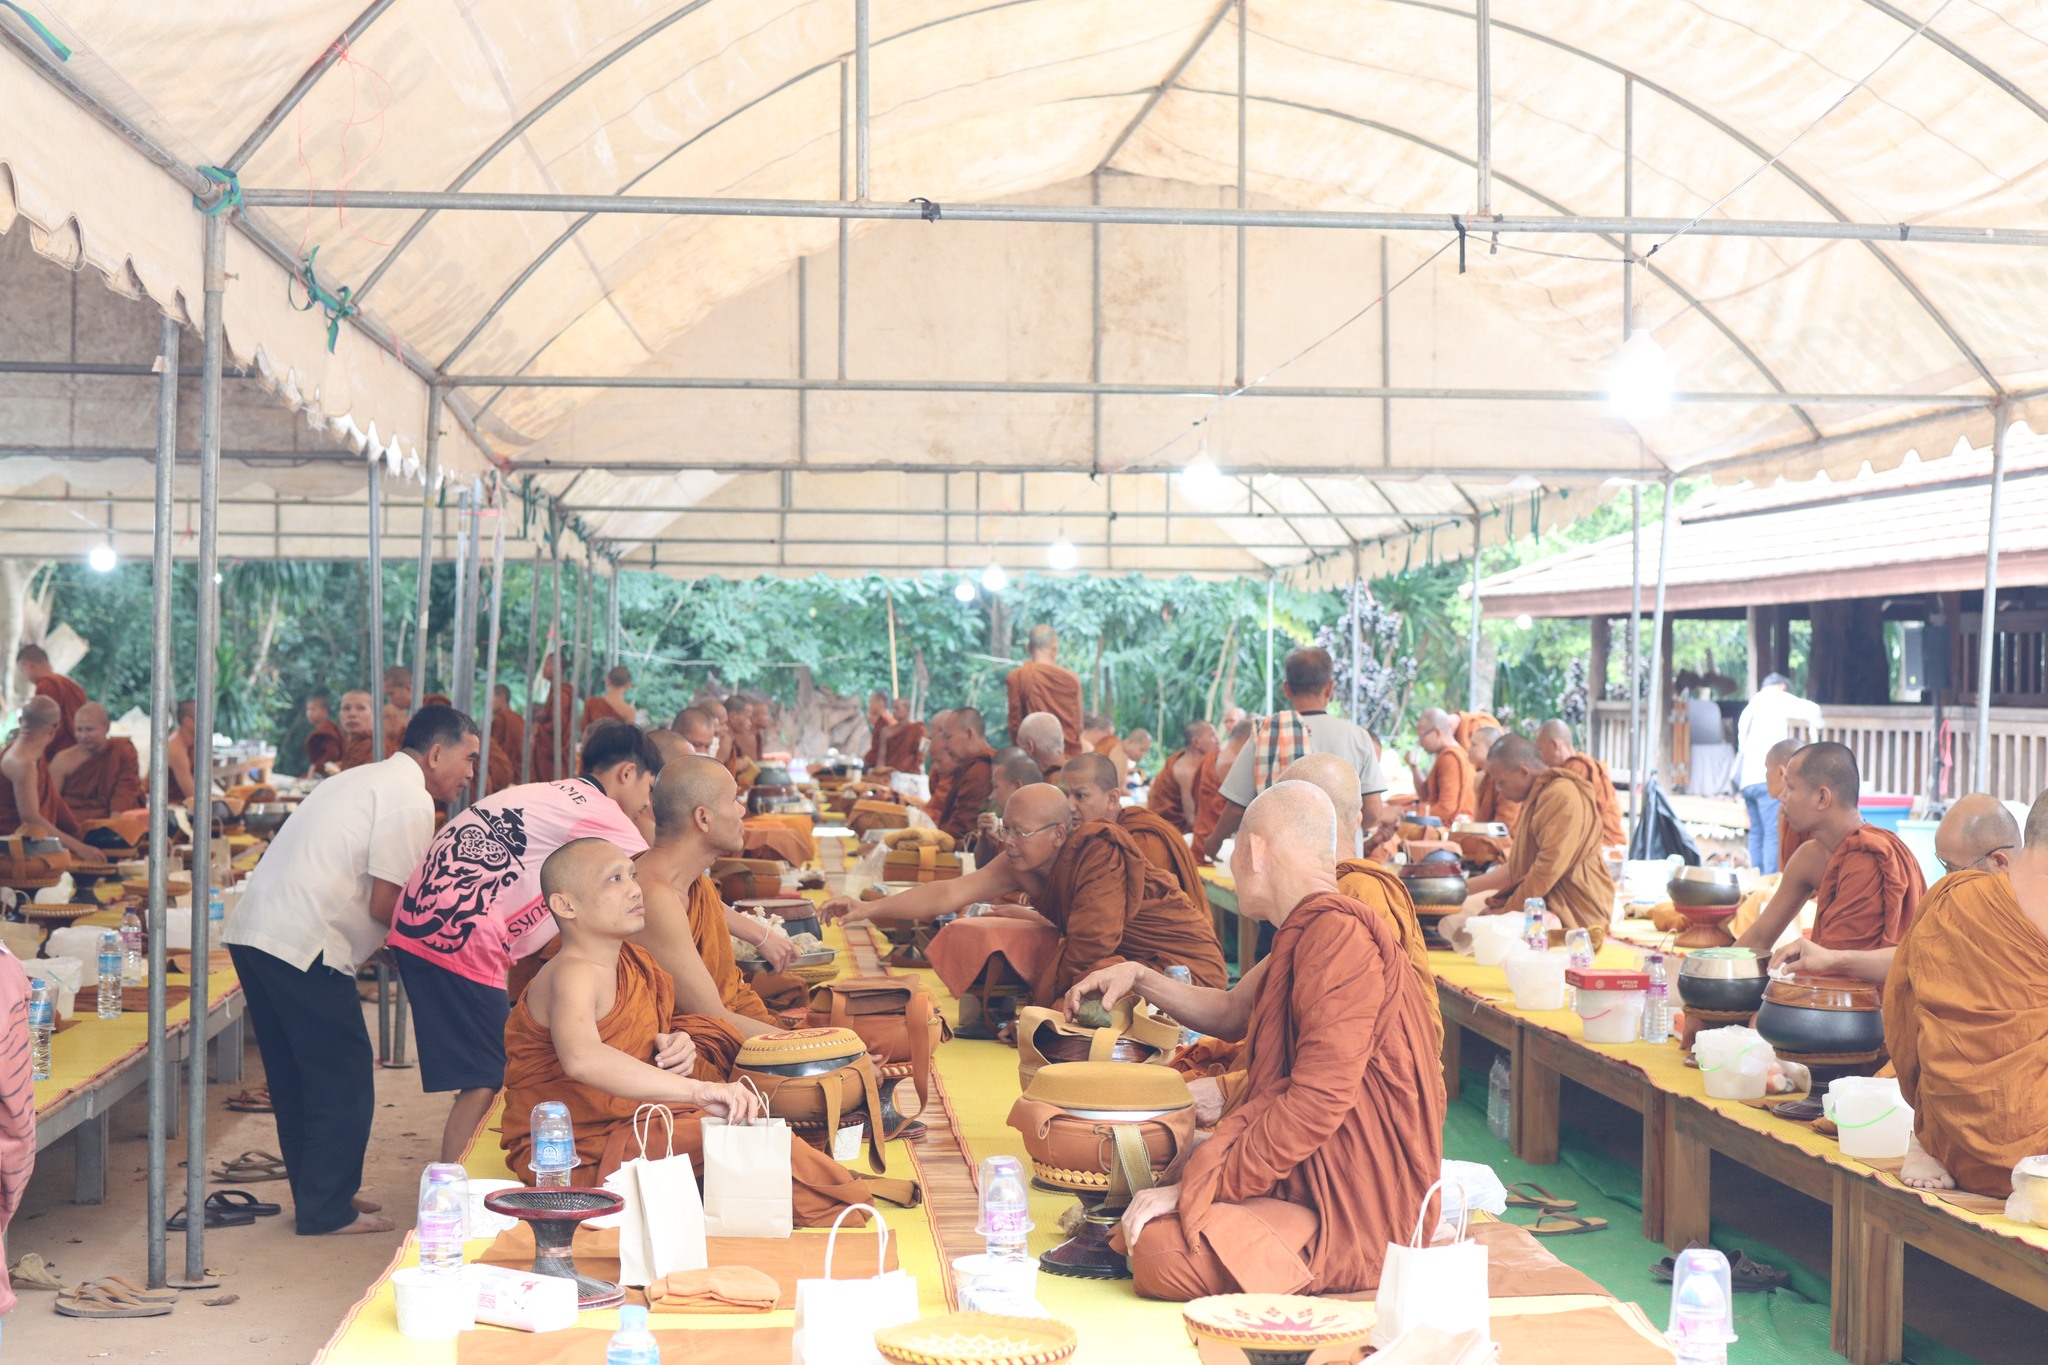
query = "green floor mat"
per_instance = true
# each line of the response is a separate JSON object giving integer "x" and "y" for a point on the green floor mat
{"x": 1789, "y": 1327}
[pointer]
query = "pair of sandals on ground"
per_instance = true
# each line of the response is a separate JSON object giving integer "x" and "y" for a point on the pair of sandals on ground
{"x": 1559, "y": 1220}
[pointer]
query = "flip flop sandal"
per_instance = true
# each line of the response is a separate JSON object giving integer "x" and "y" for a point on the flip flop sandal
{"x": 1527, "y": 1194}
{"x": 1744, "y": 1275}
{"x": 240, "y": 1201}
{"x": 252, "y": 1168}
{"x": 97, "y": 1300}
{"x": 1566, "y": 1225}
{"x": 128, "y": 1286}
{"x": 215, "y": 1218}
{"x": 255, "y": 1101}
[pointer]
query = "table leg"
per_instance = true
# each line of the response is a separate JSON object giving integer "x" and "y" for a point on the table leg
{"x": 89, "y": 1148}
{"x": 1656, "y": 1151}
{"x": 1867, "y": 1316}
{"x": 1453, "y": 1055}
{"x": 399, "y": 1015}
{"x": 1536, "y": 1109}
{"x": 227, "y": 1051}
{"x": 1688, "y": 1188}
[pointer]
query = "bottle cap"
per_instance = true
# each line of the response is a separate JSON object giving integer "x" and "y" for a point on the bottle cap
{"x": 633, "y": 1317}
{"x": 1702, "y": 1310}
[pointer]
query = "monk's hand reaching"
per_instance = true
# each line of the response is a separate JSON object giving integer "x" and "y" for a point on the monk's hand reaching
{"x": 1208, "y": 1095}
{"x": 777, "y": 949}
{"x": 1146, "y": 1205}
{"x": 732, "y": 1102}
{"x": 1112, "y": 983}
{"x": 837, "y": 909}
{"x": 1804, "y": 955}
{"x": 675, "y": 1052}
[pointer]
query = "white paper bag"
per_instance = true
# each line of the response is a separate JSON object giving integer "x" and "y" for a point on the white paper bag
{"x": 661, "y": 1225}
{"x": 1441, "y": 1286}
{"x": 836, "y": 1320}
{"x": 746, "y": 1178}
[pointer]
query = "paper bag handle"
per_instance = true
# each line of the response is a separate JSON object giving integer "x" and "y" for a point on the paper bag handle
{"x": 650, "y": 1112}
{"x": 1464, "y": 1211}
{"x": 881, "y": 1245}
{"x": 751, "y": 1084}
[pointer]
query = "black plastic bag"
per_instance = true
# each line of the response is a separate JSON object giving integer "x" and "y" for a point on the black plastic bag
{"x": 1658, "y": 834}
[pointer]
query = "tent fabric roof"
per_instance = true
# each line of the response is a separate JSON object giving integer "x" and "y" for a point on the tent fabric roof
{"x": 1915, "y": 529}
{"x": 1365, "y": 104}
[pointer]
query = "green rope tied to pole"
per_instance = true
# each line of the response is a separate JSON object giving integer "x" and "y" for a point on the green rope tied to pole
{"x": 37, "y": 27}
{"x": 231, "y": 189}
{"x": 335, "y": 302}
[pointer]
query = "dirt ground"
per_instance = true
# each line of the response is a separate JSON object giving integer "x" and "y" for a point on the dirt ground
{"x": 289, "y": 1291}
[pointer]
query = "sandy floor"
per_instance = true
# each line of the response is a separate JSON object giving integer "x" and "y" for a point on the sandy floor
{"x": 290, "y": 1291}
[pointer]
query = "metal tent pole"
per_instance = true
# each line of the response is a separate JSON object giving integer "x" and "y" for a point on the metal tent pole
{"x": 1357, "y": 605}
{"x": 1241, "y": 70}
{"x": 1483, "y": 160}
{"x": 561, "y": 664}
{"x": 161, "y": 680}
{"x": 862, "y": 106}
{"x": 483, "y": 758}
{"x": 1635, "y": 638}
{"x": 458, "y": 626}
{"x": 1653, "y": 704}
{"x": 473, "y": 620}
{"x": 586, "y": 632}
{"x": 532, "y": 662}
{"x": 1472, "y": 644}
{"x": 374, "y": 573}
{"x": 422, "y": 610}
{"x": 1269, "y": 643}
{"x": 1987, "y": 619}
{"x": 845, "y": 225}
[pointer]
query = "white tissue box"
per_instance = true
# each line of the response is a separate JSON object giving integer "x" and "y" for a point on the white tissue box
{"x": 522, "y": 1300}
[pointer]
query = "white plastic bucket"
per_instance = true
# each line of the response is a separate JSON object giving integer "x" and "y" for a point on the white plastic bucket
{"x": 987, "y": 1285}
{"x": 1871, "y": 1115}
{"x": 1494, "y": 937}
{"x": 1537, "y": 980}
{"x": 1734, "y": 1062}
{"x": 1612, "y": 1016}
{"x": 433, "y": 1305}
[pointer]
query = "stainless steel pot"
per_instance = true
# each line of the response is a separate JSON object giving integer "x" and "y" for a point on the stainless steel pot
{"x": 1704, "y": 886}
{"x": 266, "y": 818}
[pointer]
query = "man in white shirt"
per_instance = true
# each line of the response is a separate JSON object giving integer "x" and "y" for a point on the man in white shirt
{"x": 316, "y": 907}
{"x": 1765, "y": 721}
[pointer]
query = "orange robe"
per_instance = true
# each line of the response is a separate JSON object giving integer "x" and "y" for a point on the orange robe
{"x": 1469, "y": 724}
{"x": 1597, "y": 777}
{"x": 1966, "y": 1020}
{"x": 69, "y": 696}
{"x": 1490, "y": 807}
{"x": 900, "y": 754}
{"x": 1209, "y": 803}
{"x": 1046, "y": 687}
{"x": 1376, "y": 885}
{"x": 179, "y": 789}
{"x": 968, "y": 788}
{"x": 872, "y": 759}
{"x": 1449, "y": 791}
{"x": 508, "y": 738}
{"x": 49, "y": 801}
{"x": 548, "y": 719}
{"x": 323, "y": 746}
{"x": 1869, "y": 893}
{"x": 1110, "y": 905}
{"x": 1165, "y": 799}
{"x": 356, "y": 750}
{"x": 714, "y": 946}
{"x": 1338, "y": 1134}
{"x": 105, "y": 782}
{"x": 1166, "y": 849}
{"x": 599, "y": 708}
{"x": 1557, "y": 854}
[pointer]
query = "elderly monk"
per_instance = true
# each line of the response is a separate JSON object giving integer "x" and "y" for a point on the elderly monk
{"x": 1039, "y": 735}
{"x": 1554, "y": 744}
{"x": 1557, "y": 853}
{"x": 611, "y": 704}
{"x": 100, "y": 775}
{"x": 1789, "y": 839}
{"x": 324, "y": 739}
{"x": 1011, "y": 772}
{"x": 1870, "y": 888}
{"x": 1173, "y": 795}
{"x": 508, "y": 741}
{"x": 29, "y": 800}
{"x": 33, "y": 663}
{"x": 970, "y": 773}
{"x": 1966, "y": 1004}
{"x": 554, "y": 746}
{"x": 358, "y": 730}
{"x": 1090, "y": 782}
{"x": 903, "y": 740}
{"x": 1210, "y": 804}
{"x": 1040, "y": 684}
{"x": 1450, "y": 789}
{"x": 1489, "y": 806}
{"x": 1089, "y": 881}
{"x": 1328, "y": 1150}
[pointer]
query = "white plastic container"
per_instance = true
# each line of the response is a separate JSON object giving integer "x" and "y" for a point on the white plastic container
{"x": 522, "y": 1300}
{"x": 1537, "y": 979}
{"x": 434, "y": 1306}
{"x": 1494, "y": 937}
{"x": 1873, "y": 1118}
{"x": 1734, "y": 1062}
{"x": 987, "y": 1285}
{"x": 1611, "y": 1016}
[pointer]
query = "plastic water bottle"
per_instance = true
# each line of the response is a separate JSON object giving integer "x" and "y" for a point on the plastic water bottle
{"x": 1657, "y": 1011}
{"x": 1578, "y": 947}
{"x": 1702, "y": 1322}
{"x": 1535, "y": 930}
{"x": 216, "y": 914}
{"x": 1005, "y": 1215}
{"x": 1177, "y": 972}
{"x": 1500, "y": 1100}
{"x": 443, "y": 1217}
{"x": 42, "y": 1024}
{"x": 110, "y": 974}
{"x": 632, "y": 1344}
{"x": 134, "y": 970}
{"x": 554, "y": 1145}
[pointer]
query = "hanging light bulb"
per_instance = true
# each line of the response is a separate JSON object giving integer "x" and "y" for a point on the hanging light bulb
{"x": 1062, "y": 555}
{"x": 964, "y": 590}
{"x": 994, "y": 579}
{"x": 102, "y": 558}
{"x": 1202, "y": 481}
{"x": 1524, "y": 621}
{"x": 1639, "y": 385}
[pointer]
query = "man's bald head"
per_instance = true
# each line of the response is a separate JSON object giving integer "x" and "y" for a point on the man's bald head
{"x": 1337, "y": 780}
{"x": 1012, "y": 772}
{"x": 1199, "y": 737}
{"x": 1295, "y": 823}
{"x": 1482, "y": 742}
{"x": 670, "y": 745}
{"x": 1094, "y": 768}
{"x": 1434, "y": 719}
{"x": 1781, "y": 753}
{"x": 1830, "y": 765}
{"x": 1037, "y": 804}
{"x": 1137, "y": 744}
{"x": 1515, "y": 764}
{"x": 90, "y": 724}
{"x": 1092, "y": 784}
{"x": 40, "y": 715}
{"x": 570, "y": 869}
{"x": 1039, "y": 734}
{"x": 1036, "y": 823}
{"x": 968, "y": 721}
{"x": 695, "y": 724}
{"x": 691, "y": 784}
{"x": 1979, "y": 833}
{"x": 1044, "y": 640}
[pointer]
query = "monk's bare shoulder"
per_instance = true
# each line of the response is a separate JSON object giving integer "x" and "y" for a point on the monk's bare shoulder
{"x": 565, "y": 982}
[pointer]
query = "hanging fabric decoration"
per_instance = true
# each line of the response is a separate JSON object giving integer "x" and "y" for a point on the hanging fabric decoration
{"x": 335, "y": 303}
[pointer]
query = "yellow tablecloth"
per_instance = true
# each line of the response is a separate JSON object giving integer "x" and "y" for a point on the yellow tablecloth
{"x": 93, "y": 1045}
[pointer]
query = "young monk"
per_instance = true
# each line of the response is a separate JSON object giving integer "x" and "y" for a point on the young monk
{"x": 970, "y": 777}
{"x": 1210, "y": 803}
{"x": 358, "y": 730}
{"x": 1871, "y": 886}
{"x": 33, "y": 663}
{"x": 1090, "y": 782}
{"x": 1554, "y": 744}
{"x": 1326, "y": 1154}
{"x": 1966, "y": 1004}
{"x": 324, "y": 740}
{"x": 611, "y": 704}
{"x": 1449, "y": 790}
{"x": 1489, "y": 806}
{"x": 1173, "y": 795}
{"x": 1089, "y": 881}
{"x": 29, "y": 801}
{"x": 1040, "y": 684}
{"x": 1039, "y": 736}
{"x": 1790, "y": 840}
{"x": 1557, "y": 853}
{"x": 100, "y": 775}
{"x": 903, "y": 740}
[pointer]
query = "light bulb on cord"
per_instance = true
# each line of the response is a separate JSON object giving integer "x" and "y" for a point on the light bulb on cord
{"x": 1524, "y": 621}
{"x": 1062, "y": 555}
{"x": 994, "y": 579}
{"x": 1639, "y": 385}
{"x": 102, "y": 558}
{"x": 964, "y": 590}
{"x": 1202, "y": 480}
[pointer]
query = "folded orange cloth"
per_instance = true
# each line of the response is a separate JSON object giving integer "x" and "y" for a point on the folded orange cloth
{"x": 721, "y": 1289}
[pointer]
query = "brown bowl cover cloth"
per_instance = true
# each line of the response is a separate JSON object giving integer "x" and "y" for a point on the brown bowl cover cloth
{"x": 1119, "y": 1156}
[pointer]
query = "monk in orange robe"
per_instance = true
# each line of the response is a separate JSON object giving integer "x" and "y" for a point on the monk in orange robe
{"x": 178, "y": 752}
{"x": 34, "y": 664}
{"x": 358, "y": 738}
{"x": 1789, "y": 839}
{"x": 1325, "y": 1153}
{"x": 1554, "y": 744}
{"x": 1208, "y": 786}
{"x": 1966, "y": 1004}
{"x": 550, "y": 722}
{"x": 29, "y": 800}
{"x": 1090, "y": 782}
{"x": 970, "y": 775}
{"x": 1557, "y": 853}
{"x": 1471, "y": 723}
{"x": 1871, "y": 887}
{"x": 100, "y": 775}
{"x": 1040, "y": 684}
{"x": 1173, "y": 791}
{"x": 1448, "y": 791}
{"x": 508, "y": 738}
{"x": 903, "y": 741}
{"x": 1488, "y": 805}
{"x": 324, "y": 740}
{"x": 611, "y": 704}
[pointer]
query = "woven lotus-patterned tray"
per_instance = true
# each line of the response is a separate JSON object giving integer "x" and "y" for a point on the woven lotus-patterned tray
{"x": 1276, "y": 1320}
{"x": 977, "y": 1339}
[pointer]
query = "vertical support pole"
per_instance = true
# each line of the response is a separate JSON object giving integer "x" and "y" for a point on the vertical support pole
{"x": 586, "y": 633}
{"x": 1987, "y": 627}
{"x": 1357, "y": 600}
{"x": 374, "y": 575}
{"x": 1241, "y": 21}
{"x": 161, "y": 679}
{"x": 1653, "y": 705}
{"x": 803, "y": 406}
{"x": 458, "y": 634}
{"x": 532, "y": 662}
{"x": 560, "y": 679}
{"x": 612, "y": 631}
{"x": 426, "y": 580}
{"x": 1635, "y": 639}
{"x": 1386, "y": 355}
{"x": 1095, "y": 334}
{"x": 1628, "y": 199}
{"x": 1269, "y": 642}
{"x": 483, "y": 712}
{"x": 862, "y": 109}
{"x": 208, "y": 623}
{"x": 1483, "y": 82}
{"x": 473, "y": 618}
{"x": 1472, "y": 644}
{"x": 845, "y": 225}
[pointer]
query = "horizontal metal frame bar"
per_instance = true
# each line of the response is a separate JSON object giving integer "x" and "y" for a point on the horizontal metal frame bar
{"x": 90, "y": 367}
{"x": 89, "y": 453}
{"x": 997, "y": 514}
{"x": 1118, "y": 215}
{"x": 1368, "y": 473}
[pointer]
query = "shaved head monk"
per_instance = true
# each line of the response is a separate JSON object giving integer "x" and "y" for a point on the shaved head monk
{"x": 1966, "y": 1004}
{"x": 100, "y": 775}
{"x": 1173, "y": 795}
{"x": 33, "y": 663}
{"x": 697, "y": 727}
{"x": 1040, "y": 737}
{"x": 1089, "y": 881}
{"x": 1554, "y": 743}
{"x": 1329, "y": 1147}
{"x": 1775, "y": 763}
{"x": 508, "y": 742}
{"x": 398, "y": 687}
{"x": 1871, "y": 887}
{"x": 29, "y": 800}
{"x": 1011, "y": 773}
{"x": 1094, "y": 793}
{"x": 1489, "y": 806}
{"x": 962, "y": 746}
{"x": 1557, "y": 853}
{"x": 178, "y": 753}
{"x": 611, "y": 704}
{"x": 1449, "y": 790}
{"x": 1040, "y": 684}
{"x": 1210, "y": 804}
{"x": 903, "y": 740}
{"x": 358, "y": 729}
{"x": 323, "y": 740}
{"x": 739, "y": 728}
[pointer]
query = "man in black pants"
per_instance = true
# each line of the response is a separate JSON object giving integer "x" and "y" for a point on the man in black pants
{"x": 316, "y": 907}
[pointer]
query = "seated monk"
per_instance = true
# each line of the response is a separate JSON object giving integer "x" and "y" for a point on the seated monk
{"x": 1133, "y": 748}
{"x": 1210, "y": 804}
{"x": 323, "y": 741}
{"x": 30, "y": 803}
{"x": 1871, "y": 886}
{"x": 100, "y": 775}
{"x": 358, "y": 731}
{"x": 1557, "y": 853}
{"x": 33, "y": 663}
{"x": 1554, "y": 744}
{"x": 1966, "y": 1004}
{"x": 1039, "y": 736}
{"x": 1089, "y": 780}
{"x": 1089, "y": 881}
{"x": 1488, "y": 805}
{"x": 1041, "y": 685}
{"x": 1173, "y": 795}
{"x": 697, "y": 728}
{"x": 508, "y": 742}
{"x": 903, "y": 740}
{"x": 611, "y": 704}
{"x": 1790, "y": 840}
{"x": 1098, "y": 736}
{"x": 1471, "y": 723}
{"x": 1326, "y": 1153}
{"x": 554, "y": 744}
{"x": 1009, "y": 773}
{"x": 1449, "y": 790}
{"x": 962, "y": 745}
{"x": 878, "y": 721}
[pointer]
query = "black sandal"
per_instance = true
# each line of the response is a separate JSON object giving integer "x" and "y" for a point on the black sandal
{"x": 1744, "y": 1275}
{"x": 215, "y": 1218}
{"x": 241, "y": 1201}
